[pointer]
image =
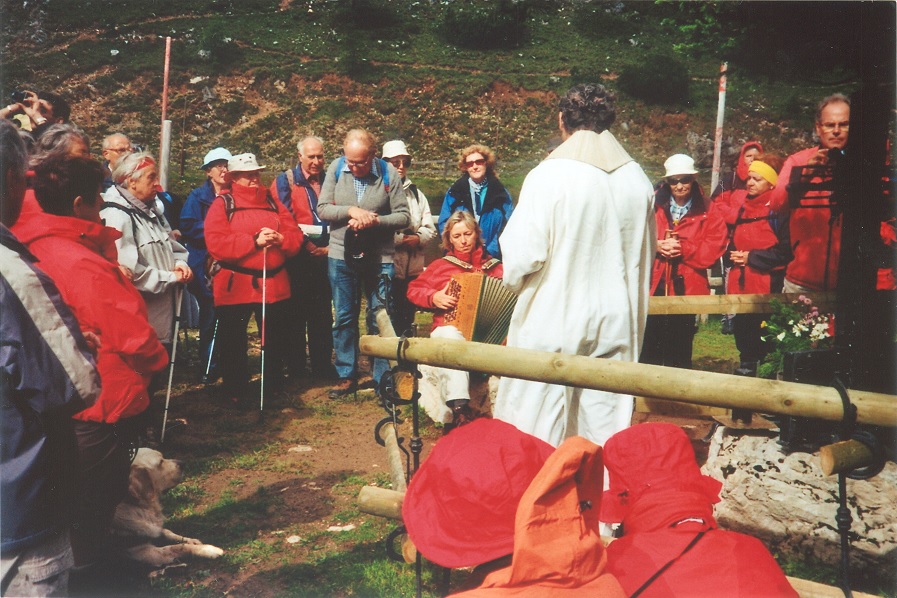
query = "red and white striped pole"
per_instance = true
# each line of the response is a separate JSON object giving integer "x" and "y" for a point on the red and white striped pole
{"x": 165, "y": 137}
{"x": 718, "y": 138}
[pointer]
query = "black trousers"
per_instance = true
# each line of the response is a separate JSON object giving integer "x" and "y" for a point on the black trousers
{"x": 668, "y": 340}
{"x": 310, "y": 320}
{"x": 233, "y": 339}
{"x": 104, "y": 464}
{"x": 751, "y": 347}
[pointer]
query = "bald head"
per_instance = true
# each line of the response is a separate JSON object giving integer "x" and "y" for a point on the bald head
{"x": 115, "y": 147}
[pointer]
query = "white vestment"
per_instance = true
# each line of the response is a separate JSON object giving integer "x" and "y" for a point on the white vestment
{"x": 578, "y": 251}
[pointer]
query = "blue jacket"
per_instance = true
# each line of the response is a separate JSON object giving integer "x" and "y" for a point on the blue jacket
{"x": 497, "y": 208}
{"x": 193, "y": 235}
{"x": 47, "y": 374}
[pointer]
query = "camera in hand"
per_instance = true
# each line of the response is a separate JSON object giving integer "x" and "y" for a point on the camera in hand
{"x": 18, "y": 96}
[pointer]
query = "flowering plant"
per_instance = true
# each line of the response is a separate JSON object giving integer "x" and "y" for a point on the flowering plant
{"x": 795, "y": 326}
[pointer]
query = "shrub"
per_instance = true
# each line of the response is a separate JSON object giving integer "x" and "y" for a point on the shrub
{"x": 658, "y": 79}
{"x": 485, "y": 25}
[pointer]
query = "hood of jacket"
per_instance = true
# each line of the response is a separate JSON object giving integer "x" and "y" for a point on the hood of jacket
{"x": 741, "y": 168}
{"x": 557, "y": 547}
{"x": 96, "y": 237}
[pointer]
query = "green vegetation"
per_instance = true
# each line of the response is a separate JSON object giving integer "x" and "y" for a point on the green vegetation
{"x": 256, "y": 75}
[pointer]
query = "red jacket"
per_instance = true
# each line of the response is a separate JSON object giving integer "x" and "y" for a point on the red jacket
{"x": 81, "y": 259}
{"x": 756, "y": 228}
{"x": 232, "y": 243}
{"x": 439, "y": 272}
{"x": 815, "y": 241}
{"x": 703, "y": 237}
{"x": 557, "y": 548}
{"x": 721, "y": 563}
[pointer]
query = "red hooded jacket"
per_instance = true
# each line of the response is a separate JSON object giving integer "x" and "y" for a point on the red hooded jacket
{"x": 703, "y": 237}
{"x": 439, "y": 272}
{"x": 756, "y": 228}
{"x": 232, "y": 243}
{"x": 81, "y": 259}
{"x": 657, "y": 491}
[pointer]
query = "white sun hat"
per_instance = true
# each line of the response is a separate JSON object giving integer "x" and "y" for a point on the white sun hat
{"x": 679, "y": 164}
{"x": 217, "y": 154}
{"x": 243, "y": 163}
{"x": 394, "y": 148}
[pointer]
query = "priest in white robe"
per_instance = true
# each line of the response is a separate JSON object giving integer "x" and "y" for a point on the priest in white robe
{"x": 578, "y": 251}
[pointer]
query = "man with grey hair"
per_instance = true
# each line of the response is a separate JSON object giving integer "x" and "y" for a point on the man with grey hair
{"x": 298, "y": 189}
{"x": 363, "y": 200}
{"x": 578, "y": 252}
{"x": 115, "y": 147}
{"x": 815, "y": 227}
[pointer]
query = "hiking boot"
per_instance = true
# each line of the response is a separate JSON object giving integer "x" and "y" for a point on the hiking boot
{"x": 461, "y": 413}
{"x": 346, "y": 386}
{"x": 727, "y": 326}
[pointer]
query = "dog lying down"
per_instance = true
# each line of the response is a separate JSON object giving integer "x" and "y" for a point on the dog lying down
{"x": 139, "y": 517}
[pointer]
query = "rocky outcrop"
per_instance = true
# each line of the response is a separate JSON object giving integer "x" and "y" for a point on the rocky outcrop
{"x": 787, "y": 502}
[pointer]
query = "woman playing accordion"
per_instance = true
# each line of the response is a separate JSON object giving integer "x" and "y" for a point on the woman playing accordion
{"x": 431, "y": 291}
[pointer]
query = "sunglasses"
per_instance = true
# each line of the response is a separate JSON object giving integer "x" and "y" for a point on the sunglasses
{"x": 686, "y": 180}
{"x": 477, "y": 162}
{"x": 406, "y": 162}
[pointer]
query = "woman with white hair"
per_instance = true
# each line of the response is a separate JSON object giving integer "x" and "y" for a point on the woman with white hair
{"x": 157, "y": 262}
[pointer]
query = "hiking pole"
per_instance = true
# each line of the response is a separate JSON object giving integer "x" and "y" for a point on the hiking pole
{"x": 179, "y": 297}
{"x": 211, "y": 350}
{"x": 264, "y": 297}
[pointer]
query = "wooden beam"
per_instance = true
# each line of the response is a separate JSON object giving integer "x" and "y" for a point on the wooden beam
{"x": 381, "y": 502}
{"x": 687, "y": 386}
{"x": 844, "y": 456}
{"x": 733, "y": 304}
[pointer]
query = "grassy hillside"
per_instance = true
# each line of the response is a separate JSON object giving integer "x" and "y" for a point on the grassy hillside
{"x": 257, "y": 75}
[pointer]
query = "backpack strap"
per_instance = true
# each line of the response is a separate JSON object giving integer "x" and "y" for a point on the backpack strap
{"x": 230, "y": 206}
{"x": 453, "y": 260}
{"x": 489, "y": 264}
{"x": 131, "y": 212}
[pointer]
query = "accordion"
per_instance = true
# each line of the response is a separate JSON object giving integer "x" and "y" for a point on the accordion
{"x": 485, "y": 305}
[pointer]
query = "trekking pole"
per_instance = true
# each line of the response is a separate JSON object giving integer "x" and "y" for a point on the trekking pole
{"x": 211, "y": 350}
{"x": 264, "y": 297}
{"x": 179, "y": 297}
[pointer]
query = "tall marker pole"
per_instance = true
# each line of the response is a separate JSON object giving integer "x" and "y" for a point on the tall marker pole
{"x": 165, "y": 137}
{"x": 718, "y": 138}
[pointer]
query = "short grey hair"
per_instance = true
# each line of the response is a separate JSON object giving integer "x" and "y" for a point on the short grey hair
{"x": 127, "y": 168}
{"x": 364, "y": 136}
{"x": 832, "y": 99}
{"x": 107, "y": 141}
{"x": 302, "y": 141}
{"x": 54, "y": 143}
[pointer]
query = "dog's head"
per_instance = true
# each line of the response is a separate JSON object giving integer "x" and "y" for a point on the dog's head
{"x": 152, "y": 474}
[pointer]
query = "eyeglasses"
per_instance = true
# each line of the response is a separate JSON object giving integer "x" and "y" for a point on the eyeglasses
{"x": 406, "y": 162}
{"x": 357, "y": 164}
{"x": 829, "y": 127}
{"x": 477, "y": 162}
{"x": 686, "y": 180}
{"x": 118, "y": 150}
